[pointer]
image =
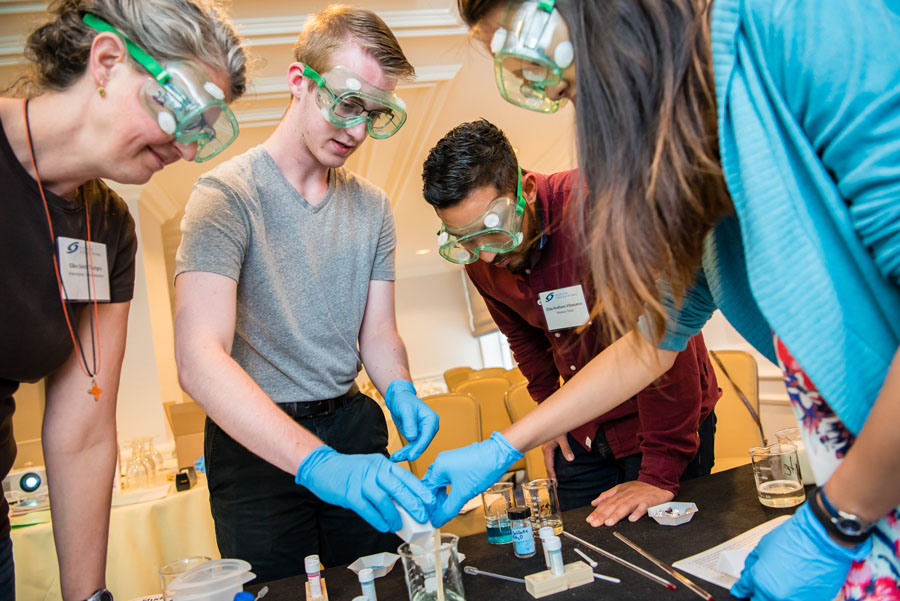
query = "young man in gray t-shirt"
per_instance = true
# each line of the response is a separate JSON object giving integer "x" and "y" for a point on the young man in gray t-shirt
{"x": 284, "y": 288}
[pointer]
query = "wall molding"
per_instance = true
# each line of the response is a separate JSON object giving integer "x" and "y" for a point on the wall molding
{"x": 430, "y": 22}
{"x": 268, "y": 31}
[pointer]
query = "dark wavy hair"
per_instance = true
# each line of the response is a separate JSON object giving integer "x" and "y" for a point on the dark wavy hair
{"x": 470, "y": 156}
{"x": 647, "y": 146}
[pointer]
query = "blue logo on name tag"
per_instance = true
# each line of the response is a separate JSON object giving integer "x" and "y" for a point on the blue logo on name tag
{"x": 73, "y": 247}
{"x": 548, "y": 298}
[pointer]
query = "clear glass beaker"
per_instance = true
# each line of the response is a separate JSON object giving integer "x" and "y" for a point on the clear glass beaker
{"x": 419, "y": 570}
{"x": 541, "y": 497}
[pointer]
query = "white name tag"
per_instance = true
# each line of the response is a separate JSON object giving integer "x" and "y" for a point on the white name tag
{"x": 564, "y": 308}
{"x": 78, "y": 284}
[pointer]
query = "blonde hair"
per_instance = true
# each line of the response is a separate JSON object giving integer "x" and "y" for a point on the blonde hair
{"x": 167, "y": 29}
{"x": 333, "y": 27}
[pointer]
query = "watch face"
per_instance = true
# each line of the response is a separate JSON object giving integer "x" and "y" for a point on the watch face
{"x": 849, "y": 526}
{"x": 101, "y": 595}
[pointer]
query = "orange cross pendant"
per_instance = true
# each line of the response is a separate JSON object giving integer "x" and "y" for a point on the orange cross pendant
{"x": 95, "y": 390}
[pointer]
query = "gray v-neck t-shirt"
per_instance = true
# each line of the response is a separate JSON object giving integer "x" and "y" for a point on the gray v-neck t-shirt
{"x": 303, "y": 270}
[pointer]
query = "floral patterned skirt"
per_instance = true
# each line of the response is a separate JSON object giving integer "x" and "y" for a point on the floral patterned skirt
{"x": 827, "y": 441}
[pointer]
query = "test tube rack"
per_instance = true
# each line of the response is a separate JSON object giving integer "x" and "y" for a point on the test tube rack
{"x": 546, "y": 583}
{"x": 324, "y": 596}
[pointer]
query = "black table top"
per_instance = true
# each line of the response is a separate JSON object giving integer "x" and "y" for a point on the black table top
{"x": 727, "y": 506}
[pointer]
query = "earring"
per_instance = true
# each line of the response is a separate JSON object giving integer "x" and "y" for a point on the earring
{"x": 102, "y": 91}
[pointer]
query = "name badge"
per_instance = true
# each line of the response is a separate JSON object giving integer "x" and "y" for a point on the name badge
{"x": 564, "y": 308}
{"x": 74, "y": 265}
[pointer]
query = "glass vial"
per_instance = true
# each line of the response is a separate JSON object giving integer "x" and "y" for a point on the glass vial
{"x": 522, "y": 533}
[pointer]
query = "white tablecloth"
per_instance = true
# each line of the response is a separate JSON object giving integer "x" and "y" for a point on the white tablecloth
{"x": 142, "y": 537}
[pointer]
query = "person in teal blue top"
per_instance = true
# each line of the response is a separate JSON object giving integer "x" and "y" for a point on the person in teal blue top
{"x": 741, "y": 155}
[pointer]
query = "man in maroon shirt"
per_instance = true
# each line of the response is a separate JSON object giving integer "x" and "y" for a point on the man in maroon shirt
{"x": 536, "y": 283}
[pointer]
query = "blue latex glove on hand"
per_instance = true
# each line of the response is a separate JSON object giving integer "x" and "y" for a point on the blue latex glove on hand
{"x": 416, "y": 421}
{"x": 366, "y": 484}
{"x": 469, "y": 471}
{"x": 797, "y": 561}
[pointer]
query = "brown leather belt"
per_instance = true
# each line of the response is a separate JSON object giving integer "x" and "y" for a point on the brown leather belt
{"x": 323, "y": 408}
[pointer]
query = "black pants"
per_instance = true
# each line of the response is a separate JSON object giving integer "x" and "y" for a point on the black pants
{"x": 581, "y": 480}
{"x": 263, "y": 517}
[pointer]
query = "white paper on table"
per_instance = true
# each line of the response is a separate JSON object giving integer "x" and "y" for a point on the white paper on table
{"x": 472, "y": 504}
{"x": 141, "y": 495}
{"x": 723, "y": 563}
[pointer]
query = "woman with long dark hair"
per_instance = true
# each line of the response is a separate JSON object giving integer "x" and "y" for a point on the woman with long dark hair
{"x": 745, "y": 156}
{"x": 118, "y": 89}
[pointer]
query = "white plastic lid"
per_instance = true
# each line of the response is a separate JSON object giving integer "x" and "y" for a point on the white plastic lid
{"x": 211, "y": 577}
{"x": 312, "y": 564}
{"x": 545, "y": 533}
{"x": 553, "y": 543}
{"x": 366, "y": 575}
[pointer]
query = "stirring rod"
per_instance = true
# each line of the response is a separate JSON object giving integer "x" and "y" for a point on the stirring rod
{"x": 607, "y": 578}
{"x": 665, "y": 567}
{"x": 476, "y": 572}
{"x": 584, "y": 556}
{"x": 621, "y": 561}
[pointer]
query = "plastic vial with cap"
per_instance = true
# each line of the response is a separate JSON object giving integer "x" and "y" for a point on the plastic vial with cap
{"x": 312, "y": 571}
{"x": 367, "y": 581}
{"x": 553, "y": 547}
{"x": 545, "y": 533}
{"x": 522, "y": 534}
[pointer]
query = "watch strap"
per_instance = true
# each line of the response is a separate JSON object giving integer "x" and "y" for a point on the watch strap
{"x": 101, "y": 594}
{"x": 835, "y": 521}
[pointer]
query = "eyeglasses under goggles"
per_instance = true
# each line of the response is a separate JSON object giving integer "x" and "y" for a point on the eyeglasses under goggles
{"x": 346, "y": 99}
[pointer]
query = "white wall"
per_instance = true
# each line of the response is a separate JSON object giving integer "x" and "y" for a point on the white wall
{"x": 148, "y": 371}
{"x": 434, "y": 322}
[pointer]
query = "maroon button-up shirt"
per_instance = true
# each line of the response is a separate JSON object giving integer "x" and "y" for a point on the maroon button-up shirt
{"x": 661, "y": 421}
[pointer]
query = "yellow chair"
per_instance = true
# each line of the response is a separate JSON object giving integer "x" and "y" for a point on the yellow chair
{"x": 736, "y": 431}
{"x": 460, "y": 426}
{"x": 456, "y": 375}
{"x": 488, "y": 372}
{"x": 515, "y": 376}
{"x": 490, "y": 392}
{"x": 460, "y": 418}
{"x": 518, "y": 404}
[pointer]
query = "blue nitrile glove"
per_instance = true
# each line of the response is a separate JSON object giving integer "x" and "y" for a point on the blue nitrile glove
{"x": 797, "y": 561}
{"x": 416, "y": 421}
{"x": 365, "y": 484}
{"x": 469, "y": 471}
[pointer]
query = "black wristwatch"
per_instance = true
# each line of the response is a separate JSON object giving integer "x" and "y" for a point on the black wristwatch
{"x": 844, "y": 526}
{"x": 101, "y": 594}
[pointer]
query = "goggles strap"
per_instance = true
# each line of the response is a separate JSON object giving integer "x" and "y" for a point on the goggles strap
{"x": 139, "y": 54}
{"x": 313, "y": 75}
{"x": 520, "y": 199}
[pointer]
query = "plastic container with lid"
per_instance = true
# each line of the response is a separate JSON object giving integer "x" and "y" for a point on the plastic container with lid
{"x": 216, "y": 580}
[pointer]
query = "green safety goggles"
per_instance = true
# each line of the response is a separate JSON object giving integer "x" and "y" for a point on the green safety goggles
{"x": 182, "y": 99}
{"x": 346, "y": 99}
{"x": 531, "y": 49}
{"x": 498, "y": 230}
